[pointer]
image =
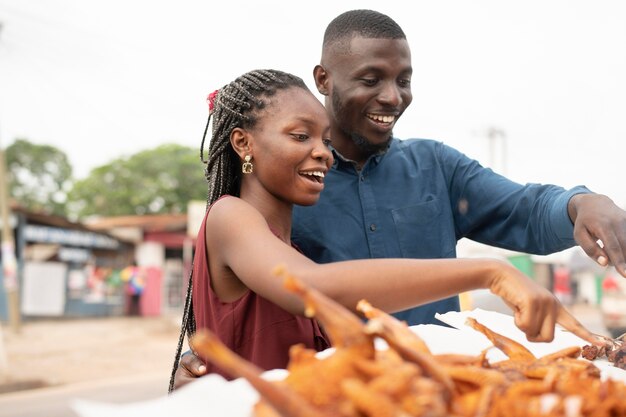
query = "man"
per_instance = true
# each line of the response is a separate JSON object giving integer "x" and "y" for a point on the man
{"x": 386, "y": 198}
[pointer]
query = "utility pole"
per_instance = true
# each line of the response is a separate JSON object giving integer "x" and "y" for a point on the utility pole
{"x": 9, "y": 263}
{"x": 497, "y": 141}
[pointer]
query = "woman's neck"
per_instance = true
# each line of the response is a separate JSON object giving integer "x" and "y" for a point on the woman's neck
{"x": 277, "y": 213}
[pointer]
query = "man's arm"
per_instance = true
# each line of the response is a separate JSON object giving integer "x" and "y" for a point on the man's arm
{"x": 494, "y": 210}
{"x": 600, "y": 229}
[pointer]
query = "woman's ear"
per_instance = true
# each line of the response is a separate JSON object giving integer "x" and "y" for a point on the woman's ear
{"x": 240, "y": 141}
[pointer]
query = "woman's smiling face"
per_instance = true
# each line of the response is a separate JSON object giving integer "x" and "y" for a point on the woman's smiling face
{"x": 289, "y": 144}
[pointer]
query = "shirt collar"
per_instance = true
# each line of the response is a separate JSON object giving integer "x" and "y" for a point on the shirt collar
{"x": 375, "y": 158}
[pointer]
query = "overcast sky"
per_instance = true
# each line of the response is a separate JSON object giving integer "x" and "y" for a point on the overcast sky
{"x": 105, "y": 79}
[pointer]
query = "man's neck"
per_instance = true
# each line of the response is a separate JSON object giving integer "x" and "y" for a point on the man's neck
{"x": 353, "y": 153}
{"x": 350, "y": 151}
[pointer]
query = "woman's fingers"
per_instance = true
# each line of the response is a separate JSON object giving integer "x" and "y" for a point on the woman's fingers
{"x": 571, "y": 324}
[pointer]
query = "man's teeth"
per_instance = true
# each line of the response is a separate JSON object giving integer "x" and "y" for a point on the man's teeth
{"x": 319, "y": 174}
{"x": 381, "y": 118}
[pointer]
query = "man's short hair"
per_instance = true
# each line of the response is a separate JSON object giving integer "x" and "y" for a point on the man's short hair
{"x": 363, "y": 23}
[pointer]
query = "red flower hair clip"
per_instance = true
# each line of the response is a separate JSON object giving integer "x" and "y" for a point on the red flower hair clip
{"x": 211, "y": 100}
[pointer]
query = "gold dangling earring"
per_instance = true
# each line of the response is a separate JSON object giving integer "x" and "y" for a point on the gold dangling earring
{"x": 247, "y": 166}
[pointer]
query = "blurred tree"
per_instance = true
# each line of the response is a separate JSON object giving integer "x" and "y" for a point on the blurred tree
{"x": 40, "y": 176}
{"x": 160, "y": 180}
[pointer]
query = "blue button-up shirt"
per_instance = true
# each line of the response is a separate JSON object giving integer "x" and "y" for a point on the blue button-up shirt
{"x": 417, "y": 200}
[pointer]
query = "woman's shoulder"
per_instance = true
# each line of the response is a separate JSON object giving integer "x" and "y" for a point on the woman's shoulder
{"x": 229, "y": 202}
{"x": 230, "y": 208}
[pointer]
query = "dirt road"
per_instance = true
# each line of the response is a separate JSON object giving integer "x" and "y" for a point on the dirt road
{"x": 57, "y": 352}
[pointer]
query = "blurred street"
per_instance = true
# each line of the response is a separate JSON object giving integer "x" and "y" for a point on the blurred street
{"x": 113, "y": 360}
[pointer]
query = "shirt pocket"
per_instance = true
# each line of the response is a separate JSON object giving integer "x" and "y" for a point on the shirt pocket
{"x": 424, "y": 230}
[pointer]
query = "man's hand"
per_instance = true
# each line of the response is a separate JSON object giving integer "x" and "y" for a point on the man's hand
{"x": 600, "y": 229}
{"x": 189, "y": 369}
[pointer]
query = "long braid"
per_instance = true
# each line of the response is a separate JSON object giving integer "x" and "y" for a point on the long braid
{"x": 237, "y": 104}
{"x": 187, "y": 327}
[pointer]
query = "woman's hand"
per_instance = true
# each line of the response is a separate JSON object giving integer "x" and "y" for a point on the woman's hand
{"x": 536, "y": 309}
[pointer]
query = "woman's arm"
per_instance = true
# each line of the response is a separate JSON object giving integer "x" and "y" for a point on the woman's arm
{"x": 239, "y": 236}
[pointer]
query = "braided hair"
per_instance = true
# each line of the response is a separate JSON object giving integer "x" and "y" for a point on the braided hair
{"x": 238, "y": 104}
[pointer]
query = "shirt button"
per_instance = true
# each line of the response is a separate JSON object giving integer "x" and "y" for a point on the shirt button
{"x": 372, "y": 227}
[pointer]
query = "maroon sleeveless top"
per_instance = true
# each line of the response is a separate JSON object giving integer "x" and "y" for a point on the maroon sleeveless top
{"x": 253, "y": 327}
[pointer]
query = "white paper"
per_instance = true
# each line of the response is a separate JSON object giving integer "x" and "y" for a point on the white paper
{"x": 505, "y": 325}
{"x": 210, "y": 395}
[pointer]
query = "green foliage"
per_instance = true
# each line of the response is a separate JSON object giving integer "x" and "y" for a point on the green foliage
{"x": 40, "y": 176}
{"x": 160, "y": 180}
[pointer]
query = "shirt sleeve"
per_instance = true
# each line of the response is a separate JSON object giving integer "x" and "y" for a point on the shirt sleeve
{"x": 496, "y": 211}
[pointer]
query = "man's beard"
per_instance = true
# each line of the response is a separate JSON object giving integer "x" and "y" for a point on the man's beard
{"x": 361, "y": 142}
{"x": 367, "y": 147}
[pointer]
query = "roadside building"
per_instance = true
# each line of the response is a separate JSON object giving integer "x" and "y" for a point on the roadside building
{"x": 163, "y": 250}
{"x": 65, "y": 268}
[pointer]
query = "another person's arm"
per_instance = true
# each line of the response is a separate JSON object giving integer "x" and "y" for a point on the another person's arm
{"x": 533, "y": 218}
{"x": 190, "y": 368}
